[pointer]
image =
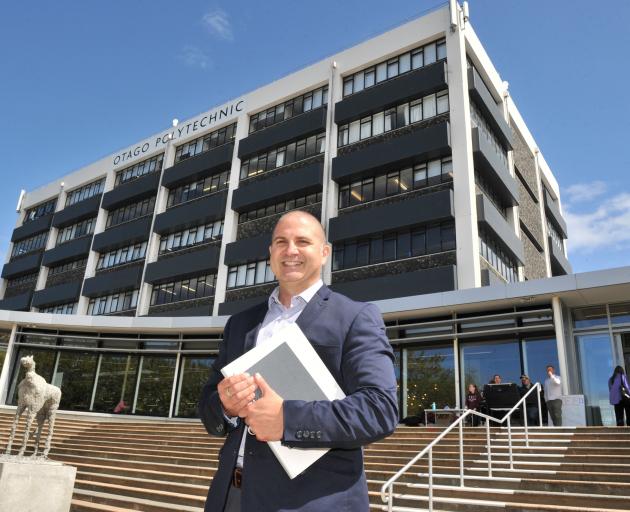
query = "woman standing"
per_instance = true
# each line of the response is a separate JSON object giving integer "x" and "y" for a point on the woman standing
{"x": 615, "y": 383}
{"x": 473, "y": 401}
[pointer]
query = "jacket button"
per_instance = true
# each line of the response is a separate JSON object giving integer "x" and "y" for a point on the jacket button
{"x": 312, "y": 434}
{"x": 220, "y": 427}
{"x": 318, "y": 434}
{"x": 298, "y": 434}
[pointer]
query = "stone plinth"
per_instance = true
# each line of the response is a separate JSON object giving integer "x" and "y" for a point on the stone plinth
{"x": 35, "y": 485}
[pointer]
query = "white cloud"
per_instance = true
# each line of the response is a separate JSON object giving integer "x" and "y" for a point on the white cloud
{"x": 581, "y": 192}
{"x": 607, "y": 227}
{"x": 217, "y": 22}
{"x": 194, "y": 56}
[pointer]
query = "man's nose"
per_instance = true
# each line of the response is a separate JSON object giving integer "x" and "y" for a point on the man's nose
{"x": 292, "y": 248}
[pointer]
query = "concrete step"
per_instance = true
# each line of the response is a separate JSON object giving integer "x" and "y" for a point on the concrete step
{"x": 129, "y": 502}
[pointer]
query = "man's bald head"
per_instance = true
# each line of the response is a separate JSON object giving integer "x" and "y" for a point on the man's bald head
{"x": 304, "y": 218}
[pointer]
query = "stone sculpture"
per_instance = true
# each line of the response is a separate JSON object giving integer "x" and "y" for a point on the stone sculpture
{"x": 39, "y": 399}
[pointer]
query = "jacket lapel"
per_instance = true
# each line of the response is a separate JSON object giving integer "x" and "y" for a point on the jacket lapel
{"x": 252, "y": 334}
{"x": 313, "y": 309}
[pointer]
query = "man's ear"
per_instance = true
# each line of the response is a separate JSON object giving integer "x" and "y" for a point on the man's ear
{"x": 326, "y": 250}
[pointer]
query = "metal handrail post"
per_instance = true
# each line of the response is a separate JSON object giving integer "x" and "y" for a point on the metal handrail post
{"x": 390, "y": 501}
{"x": 489, "y": 449}
{"x": 525, "y": 422}
{"x": 540, "y": 422}
{"x": 431, "y": 480}
{"x": 509, "y": 421}
{"x": 461, "y": 454}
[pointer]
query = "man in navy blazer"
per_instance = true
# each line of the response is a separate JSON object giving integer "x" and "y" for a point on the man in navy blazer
{"x": 350, "y": 339}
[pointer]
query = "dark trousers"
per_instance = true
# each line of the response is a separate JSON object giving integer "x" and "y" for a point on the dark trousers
{"x": 620, "y": 408}
{"x": 233, "y": 503}
{"x": 555, "y": 411}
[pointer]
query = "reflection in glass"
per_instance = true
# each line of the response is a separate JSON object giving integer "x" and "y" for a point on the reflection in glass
{"x": 430, "y": 378}
{"x": 193, "y": 375}
{"x": 538, "y": 354}
{"x": 44, "y": 365}
{"x": 156, "y": 384}
{"x": 481, "y": 360}
{"x": 116, "y": 383}
{"x": 590, "y": 317}
{"x": 596, "y": 366}
{"x": 75, "y": 376}
{"x": 620, "y": 313}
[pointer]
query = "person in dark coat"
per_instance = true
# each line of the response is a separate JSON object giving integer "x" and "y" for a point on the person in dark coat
{"x": 617, "y": 399}
{"x": 531, "y": 403}
{"x": 474, "y": 400}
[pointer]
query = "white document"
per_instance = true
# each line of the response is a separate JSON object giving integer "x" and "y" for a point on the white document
{"x": 290, "y": 365}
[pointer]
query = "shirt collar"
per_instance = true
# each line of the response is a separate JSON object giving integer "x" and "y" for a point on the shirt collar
{"x": 306, "y": 295}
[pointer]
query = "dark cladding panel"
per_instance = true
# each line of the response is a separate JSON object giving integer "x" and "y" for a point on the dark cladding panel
{"x": 298, "y": 127}
{"x": 431, "y": 280}
{"x": 128, "y": 233}
{"x": 433, "y": 207}
{"x": 417, "y": 146}
{"x": 22, "y": 266}
{"x": 203, "y": 310}
{"x": 203, "y": 260}
{"x": 127, "y": 278}
{"x": 132, "y": 191}
{"x": 60, "y": 294}
{"x": 559, "y": 263}
{"x": 261, "y": 192}
{"x": 247, "y": 250}
{"x": 554, "y": 215}
{"x": 416, "y": 84}
{"x": 199, "y": 166}
{"x": 231, "y": 308}
{"x": 492, "y": 112}
{"x": 20, "y": 302}
{"x": 193, "y": 213}
{"x": 77, "y": 212}
{"x": 493, "y": 168}
{"x": 32, "y": 228}
{"x": 489, "y": 216}
{"x": 69, "y": 251}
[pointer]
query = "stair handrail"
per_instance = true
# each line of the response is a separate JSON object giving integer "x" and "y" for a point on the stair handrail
{"x": 387, "y": 492}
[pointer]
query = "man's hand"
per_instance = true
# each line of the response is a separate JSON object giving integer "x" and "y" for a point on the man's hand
{"x": 264, "y": 416}
{"x": 236, "y": 392}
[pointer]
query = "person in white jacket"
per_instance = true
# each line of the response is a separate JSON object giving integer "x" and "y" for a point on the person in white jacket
{"x": 553, "y": 396}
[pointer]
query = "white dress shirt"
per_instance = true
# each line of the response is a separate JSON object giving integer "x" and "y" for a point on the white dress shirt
{"x": 553, "y": 389}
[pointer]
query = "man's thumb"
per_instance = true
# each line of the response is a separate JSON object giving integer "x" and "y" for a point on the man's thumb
{"x": 262, "y": 384}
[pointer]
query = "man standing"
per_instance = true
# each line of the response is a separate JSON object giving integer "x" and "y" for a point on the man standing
{"x": 553, "y": 396}
{"x": 350, "y": 339}
{"x": 531, "y": 402}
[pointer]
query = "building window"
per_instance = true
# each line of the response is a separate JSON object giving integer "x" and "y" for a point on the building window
{"x": 115, "y": 303}
{"x": 381, "y": 248}
{"x": 147, "y": 166}
{"x": 283, "y": 155}
{"x": 185, "y": 289}
{"x": 121, "y": 256}
{"x": 250, "y": 274}
{"x": 130, "y": 212}
{"x": 393, "y": 118}
{"x": 478, "y": 121}
{"x": 199, "y": 188}
{"x": 393, "y": 67}
{"x": 40, "y": 210}
{"x": 85, "y": 192}
{"x": 205, "y": 143}
{"x": 396, "y": 182}
{"x": 66, "y": 267}
{"x": 556, "y": 239}
{"x": 281, "y": 207}
{"x": 294, "y": 107}
{"x": 29, "y": 245}
{"x": 61, "y": 309}
{"x": 491, "y": 193}
{"x": 497, "y": 257}
{"x": 85, "y": 227}
{"x": 17, "y": 281}
{"x": 191, "y": 236}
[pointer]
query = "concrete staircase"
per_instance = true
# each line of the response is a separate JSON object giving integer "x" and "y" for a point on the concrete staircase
{"x": 160, "y": 465}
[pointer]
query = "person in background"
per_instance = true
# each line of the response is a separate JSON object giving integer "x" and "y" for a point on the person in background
{"x": 496, "y": 379}
{"x": 473, "y": 401}
{"x": 553, "y": 396}
{"x": 531, "y": 402}
{"x": 616, "y": 381}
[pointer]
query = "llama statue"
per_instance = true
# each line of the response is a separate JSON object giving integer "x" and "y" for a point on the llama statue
{"x": 39, "y": 399}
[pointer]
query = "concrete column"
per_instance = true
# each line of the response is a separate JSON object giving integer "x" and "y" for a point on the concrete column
{"x": 6, "y": 367}
{"x": 330, "y": 189}
{"x": 558, "y": 322}
{"x": 468, "y": 266}
{"x": 230, "y": 222}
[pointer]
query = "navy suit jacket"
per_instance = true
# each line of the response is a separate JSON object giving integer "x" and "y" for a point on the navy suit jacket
{"x": 350, "y": 339}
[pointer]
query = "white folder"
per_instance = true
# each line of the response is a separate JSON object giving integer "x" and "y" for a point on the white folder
{"x": 290, "y": 365}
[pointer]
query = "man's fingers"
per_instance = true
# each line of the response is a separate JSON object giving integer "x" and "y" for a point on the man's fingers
{"x": 262, "y": 384}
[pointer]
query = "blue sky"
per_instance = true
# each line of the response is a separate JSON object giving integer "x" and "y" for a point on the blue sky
{"x": 81, "y": 80}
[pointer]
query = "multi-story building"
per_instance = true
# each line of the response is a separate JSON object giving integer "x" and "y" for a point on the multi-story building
{"x": 409, "y": 149}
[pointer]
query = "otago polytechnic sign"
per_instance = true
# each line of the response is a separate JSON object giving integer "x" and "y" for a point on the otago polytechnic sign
{"x": 197, "y": 124}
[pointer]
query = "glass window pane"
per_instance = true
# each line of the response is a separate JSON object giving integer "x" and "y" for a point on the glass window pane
{"x": 358, "y": 81}
{"x": 428, "y": 106}
{"x": 116, "y": 383}
{"x": 194, "y": 374}
{"x": 429, "y": 54}
{"x": 156, "y": 385}
{"x": 354, "y": 132}
{"x": 404, "y": 63}
{"x": 381, "y": 72}
{"x": 620, "y": 314}
{"x": 596, "y": 366}
{"x": 481, "y": 360}
{"x": 378, "y": 123}
{"x": 590, "y": 317}
{"x": 430, "y": 378}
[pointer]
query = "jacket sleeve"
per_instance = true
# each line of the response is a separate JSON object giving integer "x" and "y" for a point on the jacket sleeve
{"x": 210, "y": 409}
{"x": 369, "y": 411}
